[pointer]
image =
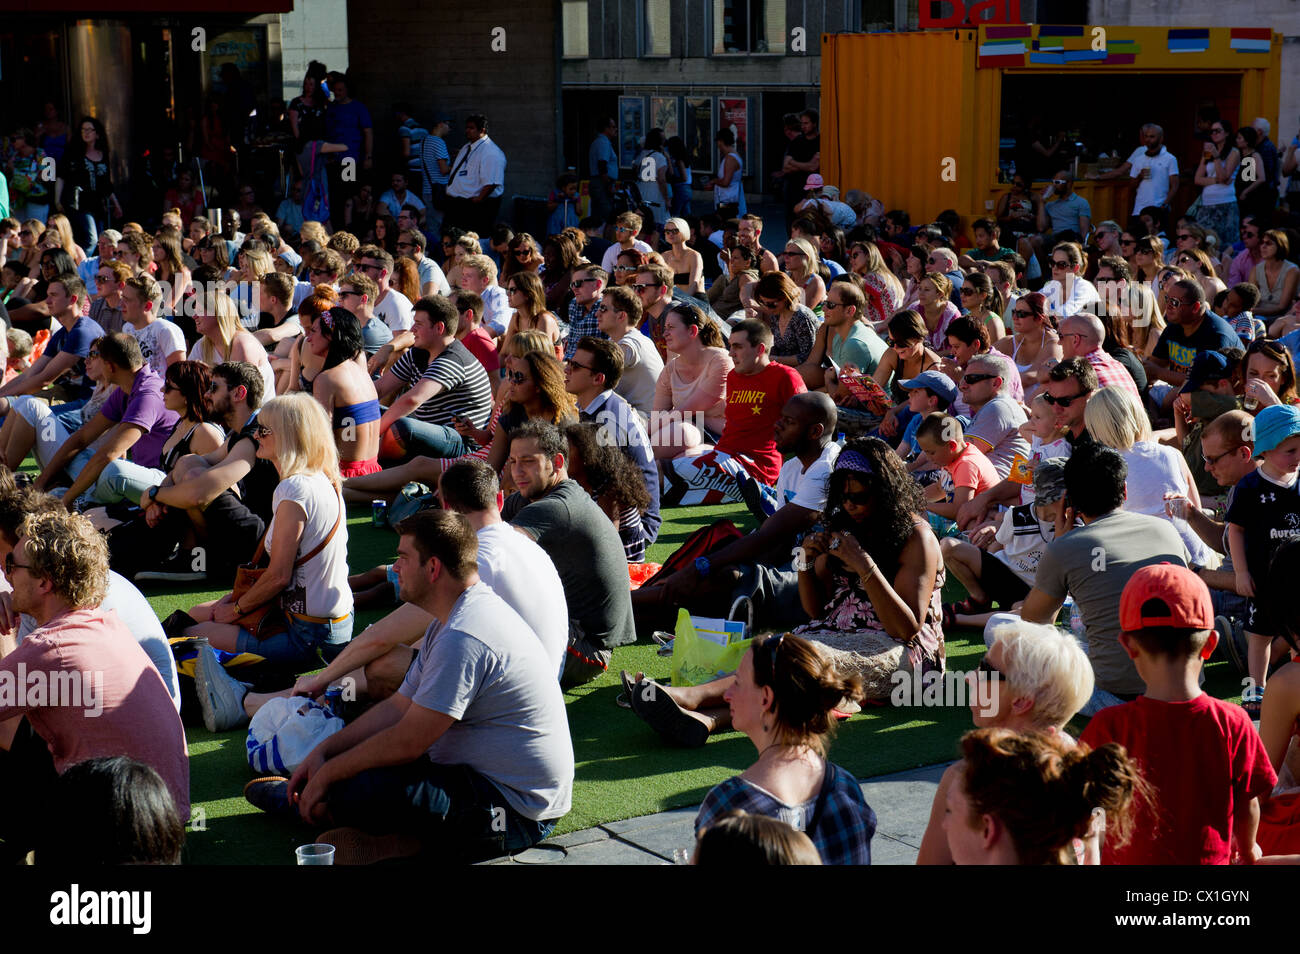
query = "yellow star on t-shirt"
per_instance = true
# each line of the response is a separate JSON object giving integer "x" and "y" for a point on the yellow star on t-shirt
{"x": 757, "y": 409}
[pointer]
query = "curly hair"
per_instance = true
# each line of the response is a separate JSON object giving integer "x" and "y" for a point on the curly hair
{"x": 606, "y": 469}
{"x": 66, "y": 549}
{"x": 897, "y": 500}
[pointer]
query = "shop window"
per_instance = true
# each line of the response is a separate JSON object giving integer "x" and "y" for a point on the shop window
{"x": 656, "y": 17}
{"x": 575, "y": 29}
{"x": 748, "y": 26}
{"x": 876, "y": 16}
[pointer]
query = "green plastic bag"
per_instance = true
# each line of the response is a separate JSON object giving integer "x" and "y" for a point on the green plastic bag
{"x": 706, "y": 649}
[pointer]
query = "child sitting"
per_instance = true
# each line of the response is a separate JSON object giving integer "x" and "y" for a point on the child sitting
{"x": 1045, "y": 440}
{"x": 1265, "y": 512}
{"x": 1239, "y": 302}
{"x": 928, "y": 392}
{"x": 1201, "y": 755}
{"x": 999, "y": 566}
{"x": 941, "y": 438}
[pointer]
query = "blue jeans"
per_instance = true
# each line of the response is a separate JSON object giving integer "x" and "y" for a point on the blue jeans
{"x": 85, "y": 229}
{"x": 457, "y": 812}
{"x": 124, "y": 480}
{"x": 430, "y": 440}
{"x": 303, "y": 643}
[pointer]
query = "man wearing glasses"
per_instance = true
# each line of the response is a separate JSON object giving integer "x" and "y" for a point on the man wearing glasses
{"x": 587, "y": 285}
{"x": 1246, "y": 254}
{"x": 1067, "y": 219}
{"x": 1069, "y": 386}
{"x": 626, "y": 229}
{"x": 1191, "y": 330}
{"x": 106, "y": 304}
{"x": 411, "y": 244}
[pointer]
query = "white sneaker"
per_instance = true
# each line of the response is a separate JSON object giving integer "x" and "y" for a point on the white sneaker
{"x": 221, "y": 696}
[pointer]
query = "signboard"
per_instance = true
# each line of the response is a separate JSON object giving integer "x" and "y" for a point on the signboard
{"x": 631, "y": 128}
{"x": 699, "y": 132}
{"x": 946, "y": 14}
{"x": 735, "y": 116}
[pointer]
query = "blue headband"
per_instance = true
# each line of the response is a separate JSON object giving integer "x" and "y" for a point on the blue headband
{"x": 853, "y": 460}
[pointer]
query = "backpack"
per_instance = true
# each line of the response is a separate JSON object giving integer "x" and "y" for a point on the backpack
{"x": 702, "y": 542}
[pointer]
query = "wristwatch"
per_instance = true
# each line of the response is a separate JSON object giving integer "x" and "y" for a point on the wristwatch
{"x": 702, "y": 566}
{"x": 153, "y": 493}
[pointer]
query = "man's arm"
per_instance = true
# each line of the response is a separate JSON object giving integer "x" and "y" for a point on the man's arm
{"x": 426, "y": 389}
{"x": 1003, "y": 492}
{"x": 1040, "y": 608}
{"x": 46, "y": 370}
{"x": 1117, "y": 173}
{"x": 1208, "y": 530}
{"x": 117, "y": 445}
{"x": 1173, "y": 187}
{"x": 273, "y": 336}
{"x": 82, "y": 437}
{"x": 779, "y": 530}
{"x": 201, "y": 489}
{"x": 392, "y": 349}
{"x": 1085, "y": 225}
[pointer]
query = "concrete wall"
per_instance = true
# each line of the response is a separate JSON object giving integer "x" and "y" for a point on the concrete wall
{"x": 441, "y": 56}
{"x": 315, "y": 30}
{"x": 1282, "y": 16}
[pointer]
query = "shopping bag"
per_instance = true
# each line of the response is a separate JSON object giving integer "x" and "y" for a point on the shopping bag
{"x": 706, "y": 649}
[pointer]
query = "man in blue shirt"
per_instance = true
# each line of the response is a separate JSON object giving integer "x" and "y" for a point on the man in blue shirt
{"x": 347, "y": 121}
{"x": 602, "y": 161}
{"x": 1068, "y": 219}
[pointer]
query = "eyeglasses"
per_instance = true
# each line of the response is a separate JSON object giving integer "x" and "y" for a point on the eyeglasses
{"x": 1245, "y": 234}
{"x": 516, "y": 377}
{"x": 671, "y": 230}
{"x": 405, "y": 245}
{"x": 522, "y": 253}
{"x": 1058, "y": 263}
{"x": 1067, "y": 400}
{"x": 579, "y": 282}
{"x": 1183, "y": 237}
{"x": 1217, "y": 129}
{"x": 345, "y": 292}
{"x": 828, "y": 304}
{"x": 511, "y": 289}
{"x": 977, "y": 378}
{"x": 796, "y": 254}
{"x": 212, "y": 388}
{"x": 1124, "y": 241}
{"x": 969, "y": 291}
{"x": 1021, "y": 313}
{"x": 639, "y": 287}
{"x": 1060, "y": 182}
{"x": 101, "y": 279}
{"x": 92, "y": 353}
{"x": 626, "y": 268}
{"x": 310, "y": 271}
{"x": 771, "y": 305}
{"x": 366, "y": 268}
{"x": 1211, "y": 461}
{"x": 261, "y": 430}
{"x": 570, "y": 363}
{"x": 1171, "y": 302}
{"x": 933, "y": 261}
{"x": 11, "y": 565}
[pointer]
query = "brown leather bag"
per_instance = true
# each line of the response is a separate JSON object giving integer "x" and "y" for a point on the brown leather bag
{"x": 267, "y": 620}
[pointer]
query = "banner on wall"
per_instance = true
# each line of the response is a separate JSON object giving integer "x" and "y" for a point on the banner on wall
{"x": 735, "y": 116}
{"x": 631, "y": 128}
{"x": 665, "y": 114}
{"x": 699, "y": 132}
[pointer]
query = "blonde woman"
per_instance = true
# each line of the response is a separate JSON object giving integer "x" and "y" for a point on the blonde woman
{"x": 306, "y": 578}
{"x": 58, "y": 222}
{"x": 686, "y": 263}
{"x": 171, "y": 272}
{"x": 222, "y": 339}
{"x": 802, "y": 263}
{"x": 254, "y": 261}
{"x": 527, "y": 296}
{"x": 881, "y": 286}
{"x": 1140, "y": 310}
{"x": 29, "y": 244}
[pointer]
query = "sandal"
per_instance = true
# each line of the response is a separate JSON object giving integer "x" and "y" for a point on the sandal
{"x": 656, "y": 706}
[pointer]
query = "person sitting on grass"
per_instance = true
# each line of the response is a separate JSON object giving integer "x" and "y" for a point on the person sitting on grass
{"x": 1182, "y": 739}
{"x": 999, "y": 566}
{"x": 782, "y": 697}
{"x": 1027, "y": 798}
{"x": 1032, "y": 679}
{"x": 471, "y": 757}
{"x": 613, "y": 482}
{"x": 942, "y": 441}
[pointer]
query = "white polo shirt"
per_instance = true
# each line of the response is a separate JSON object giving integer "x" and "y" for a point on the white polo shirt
{"x": 1153, "y": 190}
{"x": 485, "y": 164}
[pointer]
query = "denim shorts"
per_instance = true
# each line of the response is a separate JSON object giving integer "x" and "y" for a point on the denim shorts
{"x": 301, "y": 642}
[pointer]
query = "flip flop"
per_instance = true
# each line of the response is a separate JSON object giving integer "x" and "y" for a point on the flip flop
{"x": 657, "y": 708}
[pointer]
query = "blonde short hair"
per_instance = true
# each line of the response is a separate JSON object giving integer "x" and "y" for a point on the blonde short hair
{"x": 682, "y": 226}
{"x": 67, "y": 550}
{"x": 304, "y": 440}
{"x": 526, "y": 342}
{"x": 313, "y": 232}
{"x": 1047, "y": 664}
{"x": 221, "y": 306}
{"x": 1115, "y": 418}
{"x": 481, "y": 264}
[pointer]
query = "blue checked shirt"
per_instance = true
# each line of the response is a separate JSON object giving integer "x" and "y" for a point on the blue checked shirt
{"x": 843, "y": 833}
{"x": 581, "y": 324}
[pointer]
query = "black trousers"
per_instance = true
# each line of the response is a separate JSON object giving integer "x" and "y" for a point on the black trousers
{"x": 472, "y": 216}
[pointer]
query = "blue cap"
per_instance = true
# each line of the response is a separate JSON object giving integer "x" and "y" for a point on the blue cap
{"x": 292, "y": 258}
{"x": 1207, "y": 366}
{"x": 936, "y": 381}
{"x": 1275, "y": 424}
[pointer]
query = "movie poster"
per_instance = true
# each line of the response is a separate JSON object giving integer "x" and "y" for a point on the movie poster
{"x": 631, "y": 128}
{"x": 699, "y": 132}
{"x": 735, "y": 116}
{"x": 665, "y": 114}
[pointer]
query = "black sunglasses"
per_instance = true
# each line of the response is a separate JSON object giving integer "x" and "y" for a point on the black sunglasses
{"x": 516, "y": 377}
{"x": 1067, "y": 400}
{"x": 859, "y": 497}
{"x": 977, "y": 378}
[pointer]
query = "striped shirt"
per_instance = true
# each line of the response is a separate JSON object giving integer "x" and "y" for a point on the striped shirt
{"x": 465, "y": 386}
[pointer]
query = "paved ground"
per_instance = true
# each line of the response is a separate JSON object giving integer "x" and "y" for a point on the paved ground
{"x": 901, "y": 803}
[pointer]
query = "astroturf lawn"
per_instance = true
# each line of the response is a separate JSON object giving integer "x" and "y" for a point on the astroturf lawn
{"x": 623, "y": 769}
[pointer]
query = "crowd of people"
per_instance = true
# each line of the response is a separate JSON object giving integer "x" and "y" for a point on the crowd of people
{"x": 1071, "y": 421}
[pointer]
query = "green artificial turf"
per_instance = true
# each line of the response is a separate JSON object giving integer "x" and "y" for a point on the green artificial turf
{"x": 623, "y": 769}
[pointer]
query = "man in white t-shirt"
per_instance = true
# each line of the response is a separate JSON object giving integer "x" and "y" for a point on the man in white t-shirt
{"x": 627, "y": 227}
{"x": 391, "y": 307}
{"x": 617, "y": 317}
{"x": 1155, "y": 168}
{"x": 161, "y": 341}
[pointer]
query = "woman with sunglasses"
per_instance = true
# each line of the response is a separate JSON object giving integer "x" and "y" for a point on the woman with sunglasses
{"x": 528, "y": 299}
{"x": 872, "y": 581}
{"x": 29, "y": 241}
{"x": 686, "y": 263}
{"x": 1033, "y": 678}
{"x": 306, "y": 543}
{"x": 794, "y": 326}
{"x": 1276, "y": 278}
{"x": 1148, "y": 258}
{"x": 344, "y": 388}
{"x": 1198, "y": 262}
{"x": 1029, "y": 799}
{"x": 984, "y": 303}
{"x": 213, "y": 252}
{"x": 801, "y": 262}
{"x": 934, "y": 297}
{"x": 1215, "y": 173}
{"x": 627, "y": 263}
{"x": 881, "y": 286}
{"x": 522, "y": 255}
{"x": 1033, "y": 345}
{"x": 913, "y": 274}
{"x": 909, "y": 354}
{"x": 693, "y": 384}
{"x": 222, "y": 338}
{"x": 185, "y": 387}
{"x": 783, "y": 697}
{"x": 1128, "y": 248}
{"x": 1068, "y": 293}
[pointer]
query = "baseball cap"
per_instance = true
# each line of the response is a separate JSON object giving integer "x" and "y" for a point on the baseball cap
{"x": 113, "y": 235}
{"x": 936, "y": 381}
{"x": 1049, "y": 480}
{"x": 1207, "y": 366}
{"x": 814, "y": 182}
{"x": 292, "y": 258}
{"x": 1165, "y": 595}
{"x": 1275, "y": 424}
{"x": 831, "y": 191}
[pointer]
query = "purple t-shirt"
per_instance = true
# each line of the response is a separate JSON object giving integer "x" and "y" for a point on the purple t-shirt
{"x": 143, "y": 408}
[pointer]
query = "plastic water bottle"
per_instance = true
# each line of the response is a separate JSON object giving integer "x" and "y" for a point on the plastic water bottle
{"x": 840, "y": 438}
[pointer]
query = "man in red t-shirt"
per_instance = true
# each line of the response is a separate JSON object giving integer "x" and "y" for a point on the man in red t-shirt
{"x": 745, "y": 460}
{"x": 1202, "y": 757}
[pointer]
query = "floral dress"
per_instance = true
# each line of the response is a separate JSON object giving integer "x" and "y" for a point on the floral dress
{"x": 852, "y": 636}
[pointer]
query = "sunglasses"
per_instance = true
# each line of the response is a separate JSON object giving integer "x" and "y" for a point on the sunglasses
{"x": 405, "y": 245}
{"x": 579, "y": 282}
{"x": 92, "y": 354}
{"x": 1067, "y": 400}
{"x": 1128, "y": 241}
{"x": 570, "y": 363}
{"x": 642, "y": 286}
{"x": 789, "y": 254}
{"x": 1058, "y": 263}
{"x": 1059, "y": 182}
{"x": 102, "y": 279}
{"x": 261, "y": 430}
{"x": 1020, "y": 313}
{"x": 775, "y": 651}
{"x": 861, "y": 497}
{"x": 1173, "y": 302}
{"x": 345, "y": 292}
{"x": 511, "y": 289}
{"x": 968, "y": 291}
{"x": 625, "y": 268}
{"x": 522, "y": 253}
{"x": 212, "y": 388}
{"x": 516, "y": 377}
{"x": 1184, "y": 237}
{"x": 828, "y": 304}
{"x": 168, "y": 386}
{"x": 977, "y": 378}
{"x": 1244, "y": 234}
{"x": 770, "y": 304}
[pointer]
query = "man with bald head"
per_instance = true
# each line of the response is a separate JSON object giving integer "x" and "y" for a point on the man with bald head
{"x": 759, "y": 565}
{"x": 1081, "y": 337}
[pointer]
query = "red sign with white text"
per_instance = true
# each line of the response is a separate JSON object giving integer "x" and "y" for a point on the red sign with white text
{"x": 946, "y": 14}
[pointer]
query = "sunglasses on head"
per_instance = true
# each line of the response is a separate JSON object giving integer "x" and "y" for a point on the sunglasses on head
{"x": 1065, "y": 401}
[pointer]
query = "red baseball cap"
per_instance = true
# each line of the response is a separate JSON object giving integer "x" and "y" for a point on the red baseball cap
{"x": 1165, "y": 595}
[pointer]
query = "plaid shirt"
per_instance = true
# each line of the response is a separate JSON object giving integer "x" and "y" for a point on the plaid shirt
{"x": 581, "y": 324}
{"x": 843, "y": 833}
{"x": 1111, "y": 372}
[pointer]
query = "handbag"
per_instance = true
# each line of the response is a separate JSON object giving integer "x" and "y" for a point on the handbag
{"x": 263, "y": 621}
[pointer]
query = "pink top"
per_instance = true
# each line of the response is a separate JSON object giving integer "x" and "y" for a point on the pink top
{"x": 701, "y": 388}
{"x": 106, "y": 700}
